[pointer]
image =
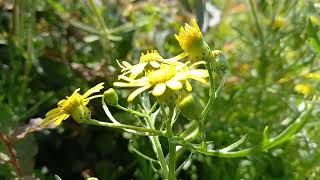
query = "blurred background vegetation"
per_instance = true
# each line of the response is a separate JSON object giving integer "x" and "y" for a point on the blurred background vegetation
{"x": 49, "y": 48}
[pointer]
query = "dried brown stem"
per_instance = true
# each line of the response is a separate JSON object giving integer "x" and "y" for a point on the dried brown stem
{"x": 13, "y": 158}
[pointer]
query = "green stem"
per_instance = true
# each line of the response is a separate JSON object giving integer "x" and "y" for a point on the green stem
{"x": 157, "y": 148}
{"x": 100, "y": 19}
{"x": 102, "y": 25}
{"x": 213, "y": 94}
{"x": 211, "y": 91}
{"x": 172, "y": 161}
{"x": 256, "y": 21}
{"x": 160, "y": 155}
{"x": 264, "y": 146}
{"x": 132, "y": 111}
{"x": 172, "y": 145}
{"x": 151, "y": 132}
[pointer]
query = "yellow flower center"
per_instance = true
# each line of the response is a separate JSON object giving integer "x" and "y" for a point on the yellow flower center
{"x": 68, "y": 105}
{"x": 153, "y": 55}
{"x": 165, "y": 73}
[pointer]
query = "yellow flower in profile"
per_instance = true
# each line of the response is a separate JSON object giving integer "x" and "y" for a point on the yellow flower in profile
{"x": 305, "y": 89}
{"x": 191, "y": 40}
{"x": 173, "y": 76}
{"x": 74, "y": 106}
{"x": 149, "y": 61}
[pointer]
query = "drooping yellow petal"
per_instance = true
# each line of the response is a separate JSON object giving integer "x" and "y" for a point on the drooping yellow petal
{"x": 197, "y": 63}
{"x": 61, "y": 118}
{"x": 159, "y": 89}
{"x": 46, "y": 121}
{"x": 53, "y": 111}
{"x": 51, "y": 116}
{"x": 202, "y": 80}
{"x": 135, "y": 93}
{"x": 174, "y": 85}
{"x": 92, "y": 90}
{"x": 188, "y": 86}
{"x": 198, "y": 72}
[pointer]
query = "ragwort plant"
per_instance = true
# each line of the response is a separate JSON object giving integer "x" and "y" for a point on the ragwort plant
{"x": 163, "y": 92}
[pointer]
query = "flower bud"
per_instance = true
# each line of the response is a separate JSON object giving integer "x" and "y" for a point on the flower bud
{"x": 111, "y": 97}
{"x": 220, "y": 60}
{"x": 190, "y": 107}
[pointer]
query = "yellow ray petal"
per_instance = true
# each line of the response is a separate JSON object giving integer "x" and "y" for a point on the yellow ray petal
{"x": 188, "y": 86}
{"x": 53, "y": 111}
{"x": 178, "y": 57}
{"x": 126, "y": 64}
{"x": 174, "y": 85}
{"x": 154, "y": 64}
{"x": 93, "y": 97}
{"x": 198, "y": 72}
{"x": 202, "y": 80}
{"x": 137, "y": 69}
{"x": 92, "y": 90}
{"x": 131, "y": 84}
{"x": 159, "y": 89}
{"x": 51, "y": 116}
{"x": 60, "y": 119}
{"x": 46, "y": 122}
{"x": 135, "y": 93}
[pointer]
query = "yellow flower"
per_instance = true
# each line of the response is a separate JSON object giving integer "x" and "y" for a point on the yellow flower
{"x": 305, "y": 89}
{"x": 314, "y": 76}
{"x": 191, "y": 40}
{"x": 149, "y": 61}
{"x": 279, "y": 22}
{"x": 173, "y": 76}
{"x": 74, "y": 106}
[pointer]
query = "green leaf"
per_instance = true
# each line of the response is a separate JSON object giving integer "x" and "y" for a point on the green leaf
{"x": 314, "y": 39}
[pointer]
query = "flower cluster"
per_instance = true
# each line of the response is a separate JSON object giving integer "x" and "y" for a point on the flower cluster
{"x": 159, "y": 74}
{"x": 153, "y": 72}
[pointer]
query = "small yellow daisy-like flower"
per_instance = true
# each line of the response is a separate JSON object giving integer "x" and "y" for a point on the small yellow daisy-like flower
{"x": 305, "y": 89}
{"x": 74, "y": 106}
{"x": 191, "y": 40}
{"x": 149, "y": 61}
{"x": 173, "y": 76}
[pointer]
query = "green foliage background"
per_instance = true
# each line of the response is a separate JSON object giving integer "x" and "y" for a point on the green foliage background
{"x": 49, "y": 48}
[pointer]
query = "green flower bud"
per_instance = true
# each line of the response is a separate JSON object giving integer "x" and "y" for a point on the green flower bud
{"x": 111, "y": 97}
{"x": 92, "y": 178}
{"x": 190, "y": 107}
{"x": 220, "y": 60}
